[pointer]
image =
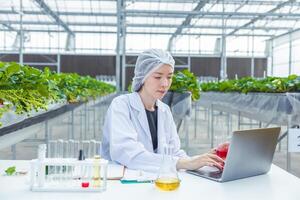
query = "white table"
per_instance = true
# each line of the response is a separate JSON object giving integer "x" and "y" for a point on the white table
{"x": 277, "y": 184}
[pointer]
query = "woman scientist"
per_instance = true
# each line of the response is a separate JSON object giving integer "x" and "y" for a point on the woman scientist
{"x": 139, "y": 124}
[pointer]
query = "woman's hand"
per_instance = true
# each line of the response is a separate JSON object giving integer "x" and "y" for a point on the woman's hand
{"x": 196, "y": 162}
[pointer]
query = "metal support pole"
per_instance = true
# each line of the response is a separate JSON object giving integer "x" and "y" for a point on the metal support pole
{"x": 252, "y": 54}
{"x": 14, "y": 152}
{"x": 290, "y": 54}
{"x": 69, "y": 125}
{"x": 80, "y": 124}
{"x": 208, "y": 123}
{"x": 88, "y": 119}
{"x": 85, "y": 121}
{"x": 288, "y": 154}
{"x": 252, "y": 58}
{"x": 72, "y": 125}
{"x": 47, "y": 132}
{"x": 186, "y": 131}
{"x": 223, "y": 72}
{"x": 123, "y": 17}
{"x": 58, "y": 63}
{"x": 100, "y": 116}
{"x": 94, "y": 121}
{"x": 212, "y": 126}
{"x": 195, "y": 120}
{"x": 189, "y": 62}
{"x": 121, "y": 45}
{"x": 118, "y": 45}
{"x": 239, "y": 120}
{"x": 228, "y": 123}
{"x": 21, "y": 34}
{"x": 272, "y": 59}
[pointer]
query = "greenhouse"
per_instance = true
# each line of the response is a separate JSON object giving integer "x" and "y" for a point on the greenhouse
{"x": 97, "y": 95}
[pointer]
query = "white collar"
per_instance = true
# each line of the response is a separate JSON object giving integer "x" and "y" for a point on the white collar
{"x": 136, "y": 102}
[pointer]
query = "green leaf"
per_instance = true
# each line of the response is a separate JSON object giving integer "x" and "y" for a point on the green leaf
{"x": 184, "y": 81}
{"x": 10, "y": 171}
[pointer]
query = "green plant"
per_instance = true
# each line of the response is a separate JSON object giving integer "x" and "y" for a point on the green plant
{"x": 186, "y": 81}
{"x": 10, "y": 170}
{"x": 76, "y": 88}
{"x": 129, "y": 87}
{"x": 25, "y": 88}
{"x": 249, "y": 84}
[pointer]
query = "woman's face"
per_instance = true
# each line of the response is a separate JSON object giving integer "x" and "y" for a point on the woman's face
{"x": 159, "y": 82}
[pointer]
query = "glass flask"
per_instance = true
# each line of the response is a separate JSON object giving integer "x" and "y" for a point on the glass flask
{"x": 167, "y": 178}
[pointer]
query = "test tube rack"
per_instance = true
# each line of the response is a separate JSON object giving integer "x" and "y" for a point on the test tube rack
{"x": 68, "y": 175}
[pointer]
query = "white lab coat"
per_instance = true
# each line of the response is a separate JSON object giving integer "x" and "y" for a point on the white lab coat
{"x": 126, "y": 134}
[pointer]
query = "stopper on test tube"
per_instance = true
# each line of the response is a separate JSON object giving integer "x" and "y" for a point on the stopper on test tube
{"x": 81, "y": 155}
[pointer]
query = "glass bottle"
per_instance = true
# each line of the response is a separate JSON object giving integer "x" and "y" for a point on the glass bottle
{"x": 167, "y": 178}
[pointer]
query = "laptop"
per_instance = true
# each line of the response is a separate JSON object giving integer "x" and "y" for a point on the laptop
{"x": 250, "y": 153}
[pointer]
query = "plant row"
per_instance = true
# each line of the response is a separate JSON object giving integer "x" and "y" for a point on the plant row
{"x": 25, "y": 88}
{"x": 249, "y": 84}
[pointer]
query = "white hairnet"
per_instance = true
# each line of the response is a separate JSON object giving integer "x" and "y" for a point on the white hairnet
{"x": 147, "y": 62}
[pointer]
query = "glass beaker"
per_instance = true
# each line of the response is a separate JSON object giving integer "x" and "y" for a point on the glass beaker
{"x": 167, "y": 178}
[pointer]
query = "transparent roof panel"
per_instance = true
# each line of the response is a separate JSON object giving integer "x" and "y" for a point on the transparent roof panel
{"x": 151, "y": 30}
{"x": 36, "y": 18}
{"x": 13, "y": 17}
{"x": 93, "y": 29}
{"x": 14, "y": 5}
{"x": 100, "y": 16}
{"x": 153, "y": 20}
{"x": 81, "y": 6}
{"x": 38, "y": 28}
{"x": 159, "y": 6}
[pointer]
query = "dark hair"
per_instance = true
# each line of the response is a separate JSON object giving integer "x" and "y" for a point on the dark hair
{"x": 140, "y": 88}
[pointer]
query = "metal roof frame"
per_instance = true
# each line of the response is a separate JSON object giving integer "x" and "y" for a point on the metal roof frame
{"x": 143, "y": 25}
{"x": 262, "y": 16}
{"x": 185, "y": 17}
{"x": 45, "y": 8}
{"x": 186, "y": 22}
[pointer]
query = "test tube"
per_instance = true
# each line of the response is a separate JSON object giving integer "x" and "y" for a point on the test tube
{"x": 66, "y": 155}
{"x": 60, "y": 154}
{"x": 85, "y": 176}
{"x": 86, "y": 148}
{"x": 41, "y": 158}
{"x": 60, "y": 148}
{"x": 92, "y": 148}
{"x": 70, "y": 149}
{"x": 52, "y": 148}
{"x": 99, "y": 148}
{"x": 52, "y": 153}
{"x": 96, "y": 172}
{"x": 65, "y": 149}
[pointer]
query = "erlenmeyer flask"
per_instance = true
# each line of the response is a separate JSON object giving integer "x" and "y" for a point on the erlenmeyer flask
{"x": 167, "y": 178}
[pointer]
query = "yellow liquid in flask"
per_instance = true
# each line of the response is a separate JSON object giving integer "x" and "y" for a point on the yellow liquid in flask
{"x": 167, "y": 184}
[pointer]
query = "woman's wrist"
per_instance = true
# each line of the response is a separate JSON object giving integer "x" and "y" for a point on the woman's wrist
{"x": 182, "y": 163}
